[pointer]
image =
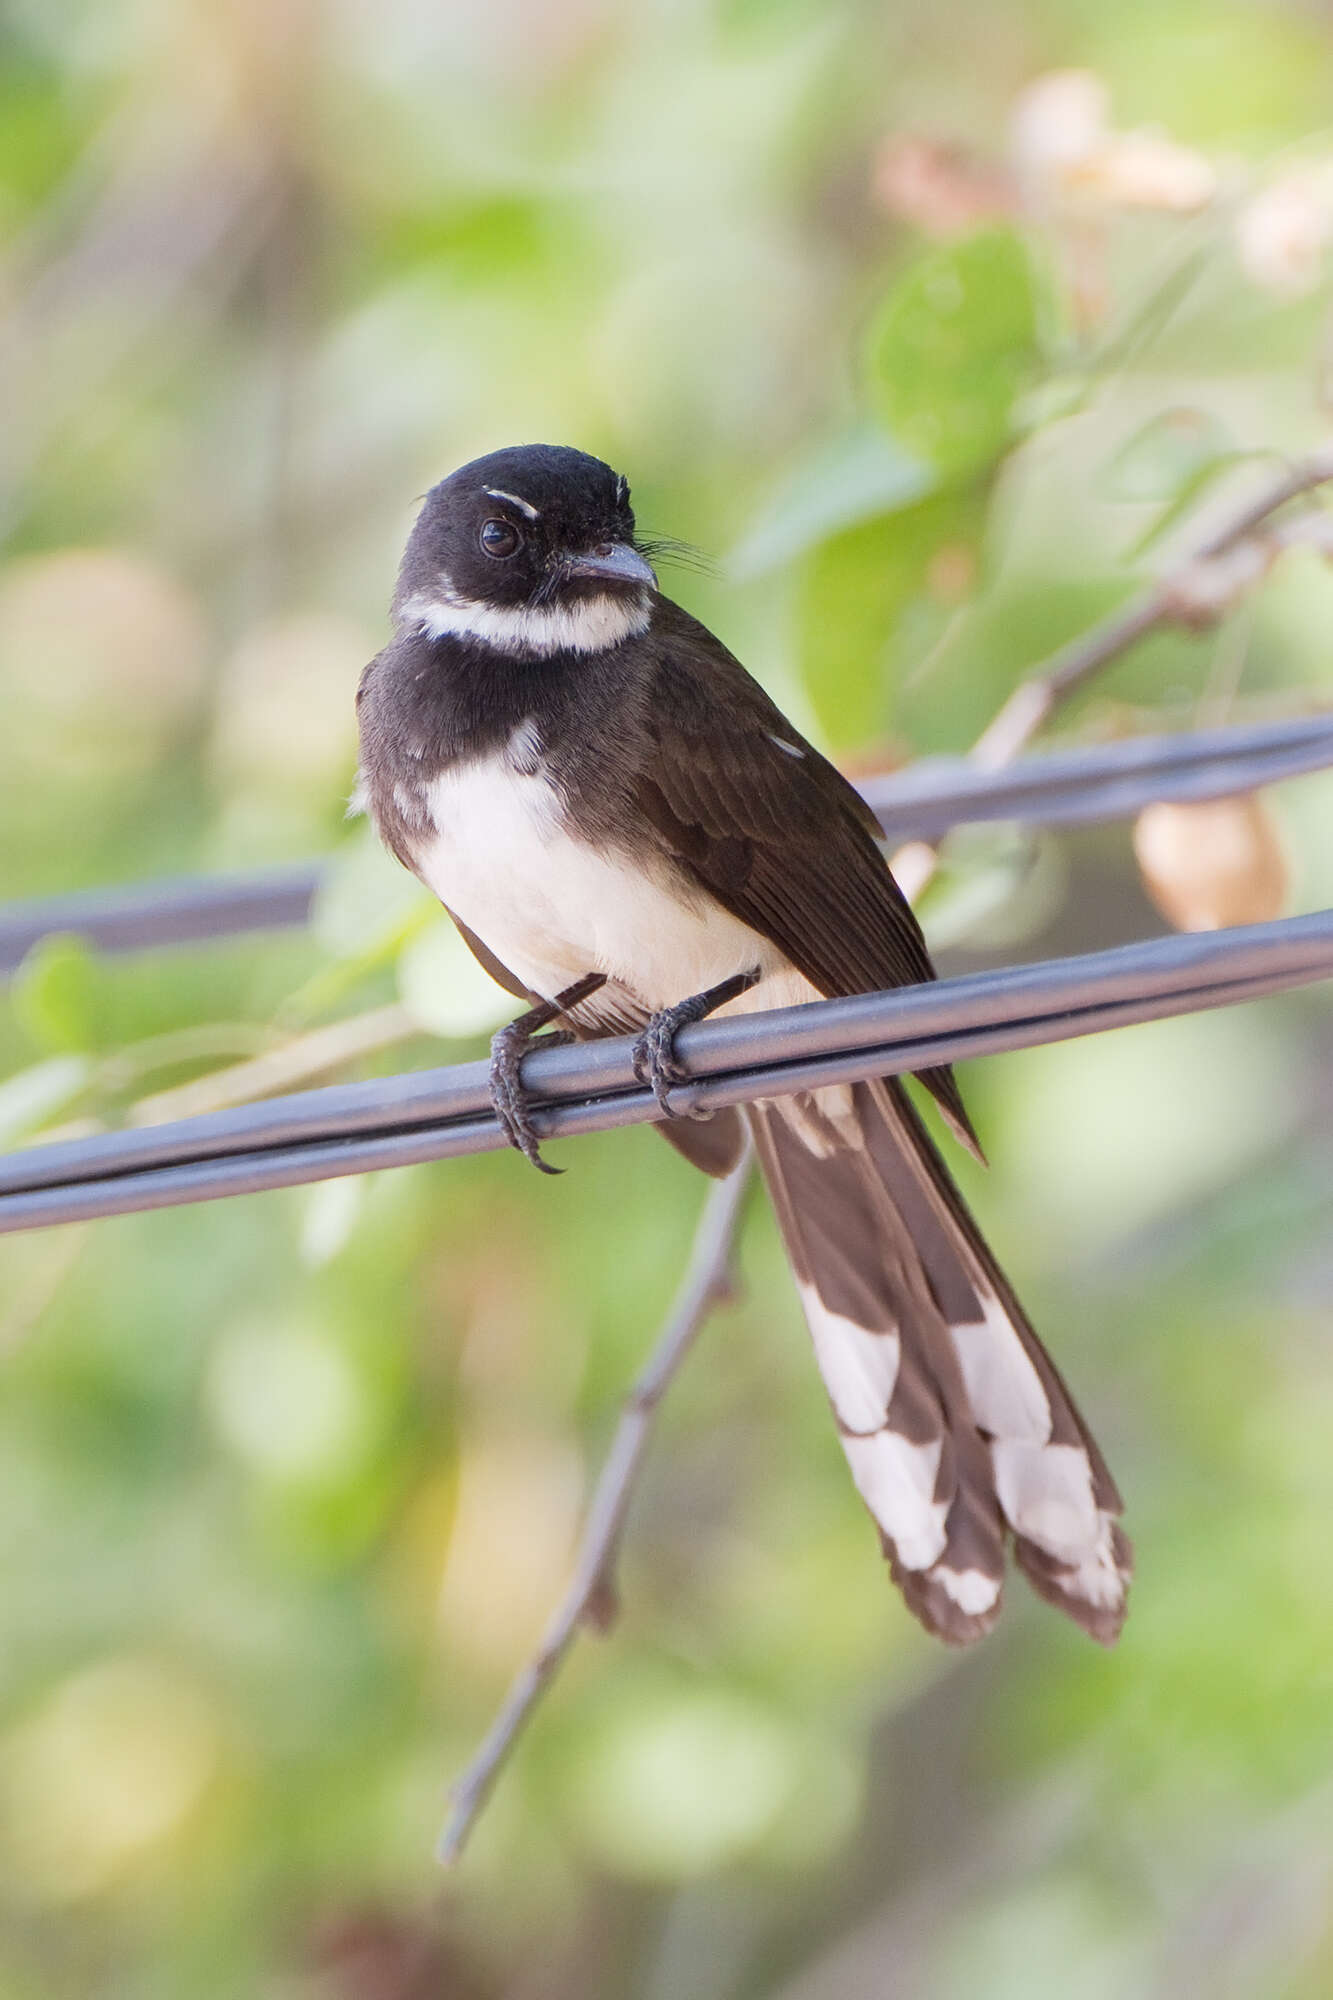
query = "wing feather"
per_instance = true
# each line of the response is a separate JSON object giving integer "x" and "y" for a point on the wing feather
{"x": 773, "y": 830}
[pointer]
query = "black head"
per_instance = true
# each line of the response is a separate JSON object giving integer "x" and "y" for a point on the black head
{"x": 530, "y": 546}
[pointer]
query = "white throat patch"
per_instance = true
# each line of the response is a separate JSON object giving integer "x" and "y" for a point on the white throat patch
{"x": 590, "y": 626}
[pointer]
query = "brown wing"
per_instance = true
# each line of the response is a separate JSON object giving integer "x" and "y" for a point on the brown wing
{"x": 773, "y": 830}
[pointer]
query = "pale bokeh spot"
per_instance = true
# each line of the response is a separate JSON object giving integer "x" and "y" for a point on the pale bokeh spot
{"x": 110, "y": 1766}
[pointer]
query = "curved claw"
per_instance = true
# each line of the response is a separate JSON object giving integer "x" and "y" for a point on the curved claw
{"x": 653, "y": 1058}
{"x": 655, "y": 1063}
{"x": 654, "y": 1053}
{"x": 509, "y": 1099}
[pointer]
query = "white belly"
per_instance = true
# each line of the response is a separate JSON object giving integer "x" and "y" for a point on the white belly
{"x": 552, "y": 907}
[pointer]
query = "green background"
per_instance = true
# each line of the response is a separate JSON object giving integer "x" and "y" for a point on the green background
{"x": 289, "y": 1484}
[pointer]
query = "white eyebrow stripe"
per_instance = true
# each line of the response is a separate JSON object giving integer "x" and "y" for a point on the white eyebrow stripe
{"x": 524, "y": 506}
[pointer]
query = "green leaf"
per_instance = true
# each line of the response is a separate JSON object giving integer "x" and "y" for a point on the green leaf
{"x": 861, "y": 475}
{"x": 329, "y": 1214}
{"x": 997, "y": 887}
{"x": 872, "y": 602}
{"x": 366, "y": 901}
{"x": 1167, "y": 454}
{"x": 31, "y": 1097}
{"x": 55, "y": 996}
{"x": 366, "y": 906}
{"x": 443, "y": 987}
{"x": 953, "y": 348}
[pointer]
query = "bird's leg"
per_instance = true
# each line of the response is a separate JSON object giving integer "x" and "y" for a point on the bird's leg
{"x": 508, "y": 1048}
{"x": 654, "y": 1054}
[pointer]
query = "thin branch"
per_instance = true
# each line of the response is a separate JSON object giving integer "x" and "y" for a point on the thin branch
{"x": 285, "y": 1067}
{"x": 591, "y": 1596}
{"x": 1174, "y": 599}
{"x": 1195, "y": 593}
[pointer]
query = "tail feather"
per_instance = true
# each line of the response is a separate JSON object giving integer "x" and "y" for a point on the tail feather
{"x": 956, "y": 1424}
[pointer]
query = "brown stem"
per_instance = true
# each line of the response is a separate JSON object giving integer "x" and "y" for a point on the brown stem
{"x": 1034, "y": 701}
{"x": 590, "y": 1598}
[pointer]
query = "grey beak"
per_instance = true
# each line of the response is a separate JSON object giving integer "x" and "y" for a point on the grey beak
{"x": 616, "y": 561}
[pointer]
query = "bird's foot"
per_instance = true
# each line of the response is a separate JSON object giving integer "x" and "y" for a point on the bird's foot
{"x": 509, "y": 1045}
{"x": 654, "y": 1053}
{"x": 509, "y": 1099}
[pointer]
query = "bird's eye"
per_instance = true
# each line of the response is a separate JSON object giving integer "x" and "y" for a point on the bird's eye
{"x": 499, "y": 538}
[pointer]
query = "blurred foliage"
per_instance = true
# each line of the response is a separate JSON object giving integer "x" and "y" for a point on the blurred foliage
{"x": 940, "y": 325}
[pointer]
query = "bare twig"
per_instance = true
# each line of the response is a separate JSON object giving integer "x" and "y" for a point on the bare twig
{"x": 1175, "y": 599}
{"x": 1196, "y": 592}
{"x": 283, "y": 1068}
{"x": 591, "y": 1596}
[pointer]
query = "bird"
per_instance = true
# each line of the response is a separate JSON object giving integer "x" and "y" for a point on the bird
{"x": 630, "y": 835}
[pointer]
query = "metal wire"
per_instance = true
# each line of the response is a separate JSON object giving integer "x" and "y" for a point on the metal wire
{"x": 184, "y": 909}
{"x": 1104, "y": 781}
{"x": 443, "y": 1113}
{"x": 1062, "y": 788}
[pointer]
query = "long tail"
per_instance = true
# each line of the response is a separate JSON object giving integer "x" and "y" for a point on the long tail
{"x": 957, "y": 1427}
